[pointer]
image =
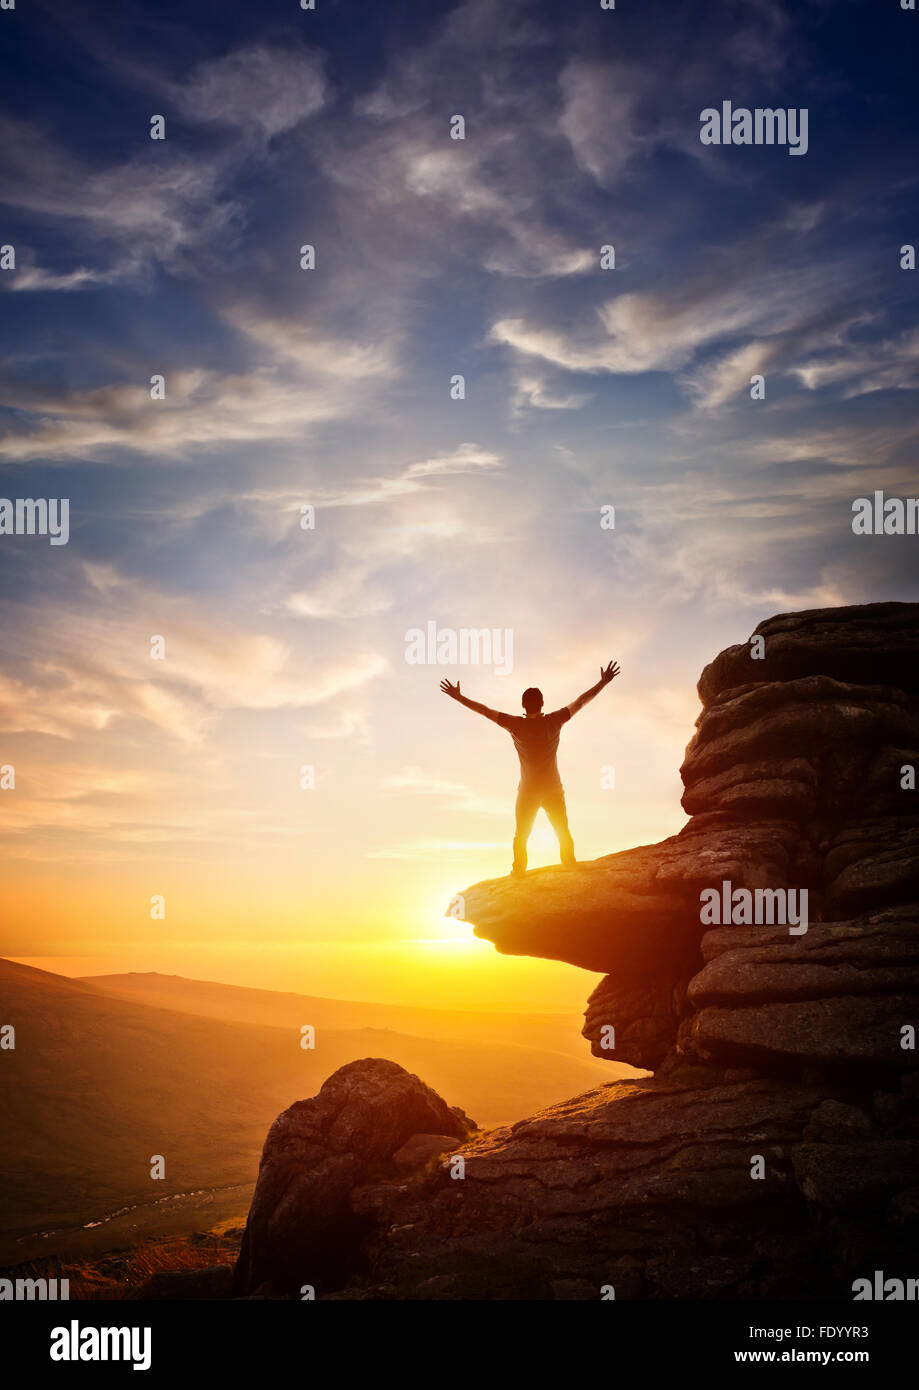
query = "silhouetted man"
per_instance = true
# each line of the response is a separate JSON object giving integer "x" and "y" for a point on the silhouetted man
{"x": 535, "y": 737}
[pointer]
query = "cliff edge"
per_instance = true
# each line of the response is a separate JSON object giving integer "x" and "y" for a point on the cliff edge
{"x": 764, "y": 963}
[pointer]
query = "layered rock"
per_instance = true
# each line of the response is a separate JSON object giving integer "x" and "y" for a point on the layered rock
{"x": 870, "y": 642}
{"x": 794, "y": 781}
{"x": 840, "y": 996}
{"x": 693, "y": 1187}
{"x": 706, "y": 1184}
{"x": 776, "y": 1151}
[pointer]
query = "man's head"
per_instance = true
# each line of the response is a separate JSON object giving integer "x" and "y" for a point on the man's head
{"x": 532, "y": 700}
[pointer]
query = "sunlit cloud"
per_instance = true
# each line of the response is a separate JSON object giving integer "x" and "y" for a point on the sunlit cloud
{"x": 200, "y": 411}
{"x": 466, "y": 458}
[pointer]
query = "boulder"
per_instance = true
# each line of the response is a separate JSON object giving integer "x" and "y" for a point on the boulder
{"x": 420, "y": 1149}
{"x": 301, "y": 1228}
{"x": 634, "y": 1022}
{"x": 871, "y": 643}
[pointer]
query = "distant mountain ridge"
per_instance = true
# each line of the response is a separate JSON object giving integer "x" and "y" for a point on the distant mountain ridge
{"x": 101, "y": 1080}
{"x": 244, "y": 1004}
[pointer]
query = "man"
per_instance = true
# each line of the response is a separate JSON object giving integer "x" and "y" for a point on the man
{"x": 536, "y": 737}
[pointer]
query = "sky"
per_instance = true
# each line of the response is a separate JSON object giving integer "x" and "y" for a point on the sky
{"x": 333, "y": 388}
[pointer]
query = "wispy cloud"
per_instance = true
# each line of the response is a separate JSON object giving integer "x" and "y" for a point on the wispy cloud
{"x": 284, "y": 387}
{"x": 201, "y": 410}
{"x": 262, "y": 87}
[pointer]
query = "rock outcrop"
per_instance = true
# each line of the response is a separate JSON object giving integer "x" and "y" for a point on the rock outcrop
{"x": 302, "y": 1228}
{"x": 797, "y": 778}
{"x": 837, "y": 998}
{"x": 764, "y": 962}
{"x": 648, "y": 1188}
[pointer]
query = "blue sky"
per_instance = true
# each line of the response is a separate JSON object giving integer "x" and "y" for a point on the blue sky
{"x": 330, "y": 387}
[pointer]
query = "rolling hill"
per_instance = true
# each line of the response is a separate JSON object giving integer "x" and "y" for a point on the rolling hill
{"x": 549, "y": 1032}
{"x": 102, "y": 1078}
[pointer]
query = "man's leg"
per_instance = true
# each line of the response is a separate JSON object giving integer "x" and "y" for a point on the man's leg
{"x": 555, "y": 808}
{"x": 525, "y": 811}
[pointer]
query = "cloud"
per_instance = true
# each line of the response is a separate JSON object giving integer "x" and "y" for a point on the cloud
{"x": 300, "y": 341}
{"x": 533, "y": 252}
{"x": 414, "y": 781}
{"x": 348, "y": 592}
{"x": 887, "y": 365}
{"x": 101, "y": 669}
{"x": 598, "y": 116}
{"x": 418, "y": 193}
{"x": 793, "y": 318}
{"x": 161, "y": 206}
{"x": 717, "y": 383}
{"x": 317, "y": 388}
{"x": 201, "y": 410}
{"x": 642, "y": 332}
{"x": 466, "y": 458}
{"x": 153, "y": 208}
{"x": 363, "y": 578}
{"x": 259, "y": 87}
{"x": 532, "y": 391}
{"x": 31, "y": 276}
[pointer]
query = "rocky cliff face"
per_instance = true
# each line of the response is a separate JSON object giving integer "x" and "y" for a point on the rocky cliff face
{"x": 764, "y": 963}
{"x": 796, "y": 779}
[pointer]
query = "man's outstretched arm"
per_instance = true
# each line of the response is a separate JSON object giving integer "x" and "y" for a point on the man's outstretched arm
{"x": 454, "y": 692}
{"x": 607, "y": 673}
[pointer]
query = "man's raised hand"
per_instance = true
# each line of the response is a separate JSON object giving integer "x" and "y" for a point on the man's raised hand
{"x": 608, "y": 673}
{"x": 448, "y": 689}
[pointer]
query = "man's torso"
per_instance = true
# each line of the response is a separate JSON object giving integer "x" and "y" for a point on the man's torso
{"x": 536, "y": 741}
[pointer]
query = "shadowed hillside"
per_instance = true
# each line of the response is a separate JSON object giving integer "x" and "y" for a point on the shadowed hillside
{"x": 97, "y": 1084}
{"x": 547, "y": 1032}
